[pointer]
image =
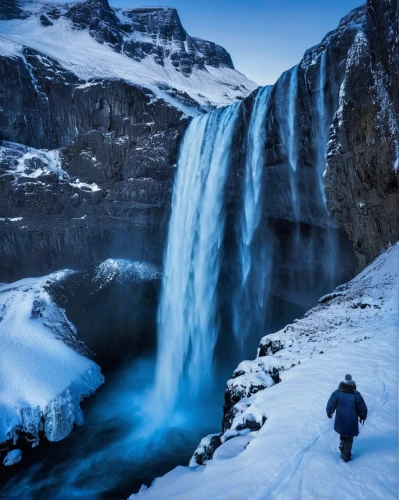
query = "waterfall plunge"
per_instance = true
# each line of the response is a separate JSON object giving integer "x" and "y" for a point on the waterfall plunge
{"x": 188, "y": 313}
{"x": 187, "y": 316}
{"x": 250, "y": 297}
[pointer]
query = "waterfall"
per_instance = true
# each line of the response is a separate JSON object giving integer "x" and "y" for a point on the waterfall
{"x": 249, "y": 298}
{"x": 322, "y": 123}
{"x": 187, "y": 315}
{"x": 291, "y": 118}
{"x": 288, "y": 132}
{"x": 321, "y": 135}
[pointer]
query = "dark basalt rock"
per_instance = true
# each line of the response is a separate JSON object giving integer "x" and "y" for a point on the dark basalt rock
{"x": 117, "y": 136}
{"x": 362, "y": 179}
{"x": 205, "y": 453}
{"x": 112, "y": 307}
{"x": 270, "y": 346}
{"x": 12, "y": 9}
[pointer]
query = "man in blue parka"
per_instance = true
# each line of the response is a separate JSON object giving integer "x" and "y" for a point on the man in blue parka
{"x": 350, "y": 408}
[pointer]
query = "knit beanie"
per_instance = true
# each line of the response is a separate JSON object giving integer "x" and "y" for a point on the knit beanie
{"x": 348, "y": 380}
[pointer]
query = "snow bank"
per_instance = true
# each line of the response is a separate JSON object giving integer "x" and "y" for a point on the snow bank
{"x": 43, "y": 372}
{"x": 295, "y": 453}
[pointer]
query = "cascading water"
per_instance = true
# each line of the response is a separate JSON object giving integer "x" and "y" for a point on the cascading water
{"x": 187, "y": 315}
{"x": 289, "y": 135}
{"x": 250, "y": 299}
{"x": 323, "y": 124}
{"x": 323, "y": 121}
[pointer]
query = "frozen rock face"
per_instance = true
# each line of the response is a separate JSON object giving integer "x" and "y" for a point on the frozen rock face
{"x": 11, "y": 9}
{"x": 44, "y": 368}
{"x": 362, "y": 178}
{"x": 168, "y": 38}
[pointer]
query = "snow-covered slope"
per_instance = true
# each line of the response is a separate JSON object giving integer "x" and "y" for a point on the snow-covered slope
{"x": 44, "y": 373}
{"x": 148, "y": 47}
{"x": 295, "y": 453}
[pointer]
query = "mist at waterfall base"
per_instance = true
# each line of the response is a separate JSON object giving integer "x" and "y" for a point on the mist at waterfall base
{"x": 120, "y": 446}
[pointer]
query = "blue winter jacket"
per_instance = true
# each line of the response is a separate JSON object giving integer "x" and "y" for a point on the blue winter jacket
{"x": 349, "y": 406}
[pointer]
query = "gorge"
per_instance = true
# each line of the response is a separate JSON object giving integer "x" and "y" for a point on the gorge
{"x": 200, "y": 214}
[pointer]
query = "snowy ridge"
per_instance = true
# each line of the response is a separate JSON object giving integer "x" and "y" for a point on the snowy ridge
{"x": 44, "y": 373}
{"x": 292, "y": 452}
{"x": 177, "y": 73}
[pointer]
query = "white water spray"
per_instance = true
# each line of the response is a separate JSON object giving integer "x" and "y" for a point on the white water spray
{"x": 288, "y": 132}
{"x": 245, "y": 306}
{"x": 321, "y": 135}
{"x": 187, "y": 319}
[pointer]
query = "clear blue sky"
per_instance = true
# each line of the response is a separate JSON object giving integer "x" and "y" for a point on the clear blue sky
{"x": 264, "y": 37}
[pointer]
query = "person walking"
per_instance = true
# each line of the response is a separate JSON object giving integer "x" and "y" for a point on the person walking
{"x": 350, "y": 409}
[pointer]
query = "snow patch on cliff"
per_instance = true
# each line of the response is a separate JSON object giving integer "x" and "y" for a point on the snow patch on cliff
{"x": 30, "y": 163}
{"x": 295, "y": 453}
{"x": 43, "y": 372}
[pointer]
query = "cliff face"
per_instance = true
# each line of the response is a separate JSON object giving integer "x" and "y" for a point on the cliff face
{"x": 362, "y": 178}
{"x": 106, "y": 192}
{"x": 300, "y": 110}
{"x": 93, "y": 107}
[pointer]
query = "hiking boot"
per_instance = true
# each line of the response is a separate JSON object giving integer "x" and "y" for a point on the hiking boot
{"x": 346, "y": 457}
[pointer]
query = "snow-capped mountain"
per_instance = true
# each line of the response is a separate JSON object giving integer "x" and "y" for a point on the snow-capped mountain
{"x": 278, "y": 442}
{"x": 144, "y": 46}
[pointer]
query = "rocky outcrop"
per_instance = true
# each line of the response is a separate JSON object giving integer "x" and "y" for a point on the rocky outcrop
{"x": 112, "y": 307}
{"x": 166, "y": 37}
{"x": 362, "y": 178}
{"x": 44, "y": 368}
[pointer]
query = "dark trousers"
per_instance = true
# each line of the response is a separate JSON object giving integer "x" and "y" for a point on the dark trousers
{"x": 346, "y": 446}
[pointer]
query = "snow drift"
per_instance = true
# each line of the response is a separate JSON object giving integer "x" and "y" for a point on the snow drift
{"x": 292, "y": 451}
{"x": 44, "y": 371}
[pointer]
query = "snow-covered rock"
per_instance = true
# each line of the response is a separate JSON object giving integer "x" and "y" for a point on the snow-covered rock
{"x": 121, "y": 270}
{"x": 144, "y": 46}
{"x": 295, "y": 453}
{"x": 12, "y": 457}
{"x": 44, "y": 371}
